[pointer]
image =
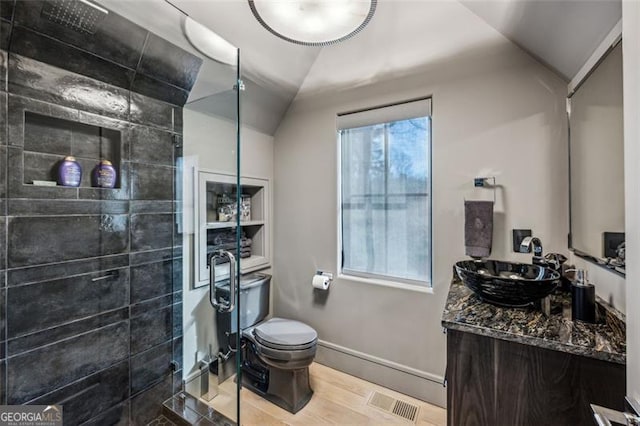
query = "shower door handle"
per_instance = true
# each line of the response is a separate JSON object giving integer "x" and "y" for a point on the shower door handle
{"x": 222, "y": 306}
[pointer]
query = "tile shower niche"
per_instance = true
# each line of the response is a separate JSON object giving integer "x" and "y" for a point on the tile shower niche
{"x": 47, "y": 140}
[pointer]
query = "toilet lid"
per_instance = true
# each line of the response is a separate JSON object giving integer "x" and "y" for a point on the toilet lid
{"x": 285, "y": 332}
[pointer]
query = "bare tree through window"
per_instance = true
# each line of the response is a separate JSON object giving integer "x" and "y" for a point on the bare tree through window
{"x": 385, "y": 173}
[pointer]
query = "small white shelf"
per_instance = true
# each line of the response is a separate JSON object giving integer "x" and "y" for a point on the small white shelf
{"x": 228, "y": 225}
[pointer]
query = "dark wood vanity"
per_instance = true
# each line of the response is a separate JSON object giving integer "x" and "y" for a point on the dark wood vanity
{"x": 509, "y": 366}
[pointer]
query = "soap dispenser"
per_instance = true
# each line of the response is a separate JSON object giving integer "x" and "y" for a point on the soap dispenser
{"x": 583, "y": 298}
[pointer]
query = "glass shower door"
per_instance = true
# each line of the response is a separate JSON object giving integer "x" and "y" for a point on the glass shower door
{"x": 211, "y": 187}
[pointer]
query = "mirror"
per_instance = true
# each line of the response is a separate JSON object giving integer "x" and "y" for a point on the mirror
{"x": 596, "y": 163}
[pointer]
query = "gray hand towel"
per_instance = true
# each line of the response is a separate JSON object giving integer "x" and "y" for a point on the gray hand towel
{"x": 478, "y": 228}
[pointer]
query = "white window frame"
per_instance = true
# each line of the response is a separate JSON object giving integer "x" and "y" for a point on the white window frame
{"x": 376, "y": 115}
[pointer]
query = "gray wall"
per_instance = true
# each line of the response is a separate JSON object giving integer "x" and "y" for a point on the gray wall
{"x": 496, "y": 112}
{"x": 101, "y": 348}
{"x": 256, "y": 160}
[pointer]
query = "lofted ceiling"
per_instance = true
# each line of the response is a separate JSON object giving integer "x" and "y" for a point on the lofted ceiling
{"x": 403, "y": 35}
{"x": 562, "y": 34}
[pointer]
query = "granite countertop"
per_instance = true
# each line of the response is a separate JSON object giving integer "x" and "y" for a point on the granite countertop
{"x": 605, "y": 340}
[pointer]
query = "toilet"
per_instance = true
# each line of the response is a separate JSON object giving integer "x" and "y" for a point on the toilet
{"x": 276, "y": 353}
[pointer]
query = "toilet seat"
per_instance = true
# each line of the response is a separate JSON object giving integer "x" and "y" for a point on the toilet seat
{"x": 285, "y": 334}
{"x": 283, "y": 343}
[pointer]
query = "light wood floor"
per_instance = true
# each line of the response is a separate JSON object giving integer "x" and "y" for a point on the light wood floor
{"x": 338, "y": 399}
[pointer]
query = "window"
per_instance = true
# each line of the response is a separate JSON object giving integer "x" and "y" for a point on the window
{"x": 385, "y": 183}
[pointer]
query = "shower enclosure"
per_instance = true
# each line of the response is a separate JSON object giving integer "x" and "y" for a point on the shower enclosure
{"x": 216, "y": 241}
{"x": 105, "y": 301}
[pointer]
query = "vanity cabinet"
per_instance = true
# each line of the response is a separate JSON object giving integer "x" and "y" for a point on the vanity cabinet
{"x": 518, "y": 366}
{"x": 211, "y": 189}
{"x": 497, "y": 382}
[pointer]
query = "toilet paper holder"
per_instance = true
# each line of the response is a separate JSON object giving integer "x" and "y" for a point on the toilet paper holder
{"x": 325, "y": 274}
{"x": 321, "y": 281}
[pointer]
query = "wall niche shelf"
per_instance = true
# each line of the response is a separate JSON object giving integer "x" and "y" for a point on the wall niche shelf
{"x": 212, "y": 190}
{"x": 47, "y": 140}
{"x": 225, "y": 225}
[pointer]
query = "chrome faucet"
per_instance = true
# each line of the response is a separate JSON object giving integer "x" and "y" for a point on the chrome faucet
{"x": 528, "y": 242}
{"x": 533, "y": 242}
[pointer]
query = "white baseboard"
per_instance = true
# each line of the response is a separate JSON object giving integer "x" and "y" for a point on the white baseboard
{"x": 401, "y": 378}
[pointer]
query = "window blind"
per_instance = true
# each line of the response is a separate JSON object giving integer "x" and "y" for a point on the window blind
{"x": 384, "y": 114}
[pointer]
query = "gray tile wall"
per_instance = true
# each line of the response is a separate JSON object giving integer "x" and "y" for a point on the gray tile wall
{"x": 90, "y": 279}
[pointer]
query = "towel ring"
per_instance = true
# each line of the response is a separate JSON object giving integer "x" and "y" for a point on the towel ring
{"x": 481, "y": 182}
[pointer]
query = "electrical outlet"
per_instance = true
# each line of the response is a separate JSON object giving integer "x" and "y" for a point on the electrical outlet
{"x": 611, "y": 241}
{"x": 518, "y": 236}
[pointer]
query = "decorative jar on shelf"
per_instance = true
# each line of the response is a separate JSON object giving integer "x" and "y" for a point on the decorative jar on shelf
{"x": 226, "y": 208}
{"x": 245, "y": 208}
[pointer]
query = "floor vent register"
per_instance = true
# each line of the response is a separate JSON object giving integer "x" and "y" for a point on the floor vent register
{"x": 394, "y": 406}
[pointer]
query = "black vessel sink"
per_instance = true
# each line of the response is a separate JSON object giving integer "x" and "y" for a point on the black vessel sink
{"x": 507, "y": 283}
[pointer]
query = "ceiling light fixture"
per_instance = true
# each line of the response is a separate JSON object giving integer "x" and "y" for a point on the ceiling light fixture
{"x": 209, "y": 43}
{"x": 313, "y": 22}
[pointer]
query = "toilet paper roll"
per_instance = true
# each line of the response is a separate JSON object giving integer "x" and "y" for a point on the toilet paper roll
{"x": 320, "y": 282}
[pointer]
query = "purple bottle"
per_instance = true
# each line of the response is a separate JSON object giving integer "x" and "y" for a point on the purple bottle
{"x": 104, "y": 175}
{"x": 69, "y": 172}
